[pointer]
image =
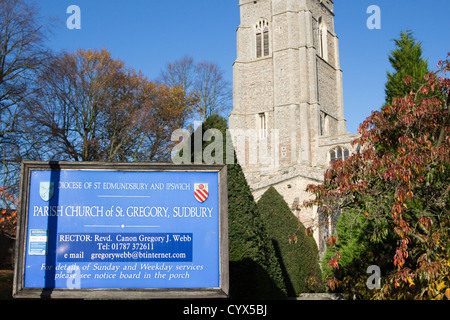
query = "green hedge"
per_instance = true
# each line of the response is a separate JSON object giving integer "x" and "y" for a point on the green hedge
{"x": 299, "y": 259}
{"x": 255, "y": 272}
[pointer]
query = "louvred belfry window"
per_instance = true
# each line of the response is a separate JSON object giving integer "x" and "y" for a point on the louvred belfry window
{"x": 323, "y": 42}
{"x": 258, "y": 44}
{"x": 266, "y": 41}
{"x": 262, "y": 39}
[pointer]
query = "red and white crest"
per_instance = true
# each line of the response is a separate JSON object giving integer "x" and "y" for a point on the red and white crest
{"x": 201, "y": 191}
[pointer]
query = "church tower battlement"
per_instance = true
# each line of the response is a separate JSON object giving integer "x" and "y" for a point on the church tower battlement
{"x": 288, "y": 119}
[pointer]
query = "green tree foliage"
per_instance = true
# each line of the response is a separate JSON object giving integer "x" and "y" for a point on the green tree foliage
{"x": 296, "y": 251}
{"x": 255, "y": 272}
{"x": 407, "y": 61}
{"x": 361, "y": 243}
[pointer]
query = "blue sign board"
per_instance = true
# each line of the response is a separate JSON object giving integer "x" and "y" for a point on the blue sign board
{"x": 94, "y": 228}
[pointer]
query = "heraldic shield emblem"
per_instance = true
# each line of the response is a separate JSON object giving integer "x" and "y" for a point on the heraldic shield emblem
{"x": 46, "y": 190}
{"x": 201, "y": 191}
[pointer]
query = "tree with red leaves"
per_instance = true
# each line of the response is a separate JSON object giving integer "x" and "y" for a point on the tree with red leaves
{"x": 399, "y": 182}
{"x": 8, "y": 217}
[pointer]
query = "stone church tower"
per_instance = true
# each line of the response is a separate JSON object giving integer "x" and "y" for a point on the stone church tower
{"x": 288, "y": 119}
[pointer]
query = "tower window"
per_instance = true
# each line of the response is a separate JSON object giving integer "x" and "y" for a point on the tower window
{"x": 262, "y": 126}
{"x": 258, "y": 44}
{"x": 339, "y": 153}
{"x": 323, "y": 45}
{"x": 332, "y": 156}
{"x": 323, "y": 124}
{"x": 262, "y": 39}
{"x": 346, "y": 154}
{"x": 266, "y": 41}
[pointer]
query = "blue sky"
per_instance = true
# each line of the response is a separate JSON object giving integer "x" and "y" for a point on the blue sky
{"x": 146, "y": 34}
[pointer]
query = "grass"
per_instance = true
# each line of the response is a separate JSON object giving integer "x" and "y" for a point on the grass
{"x": 6, "y": 283}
